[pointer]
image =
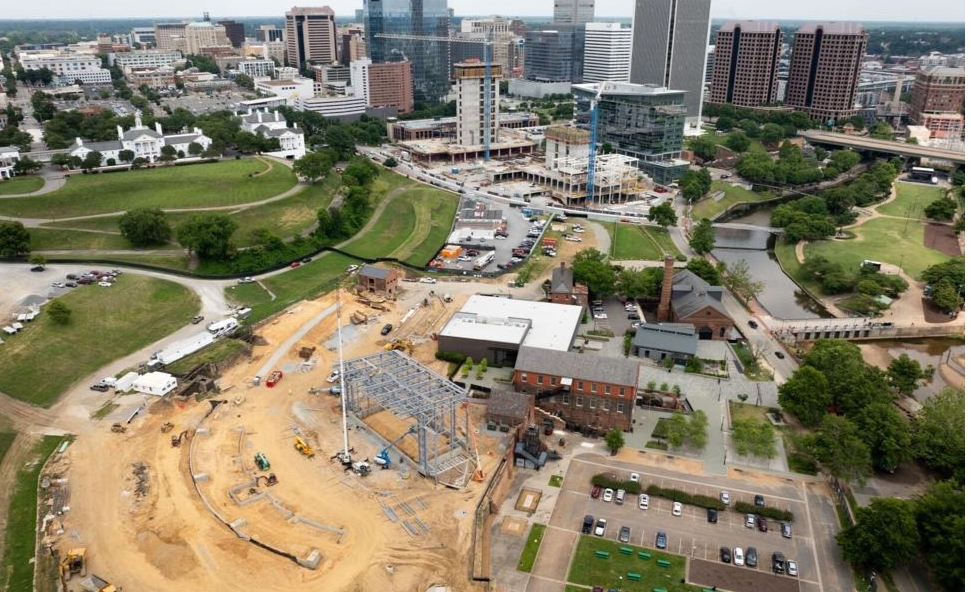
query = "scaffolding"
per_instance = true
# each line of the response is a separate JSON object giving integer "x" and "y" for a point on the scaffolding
{"x": 615, "y": 178}
{"x": 392, "y": 381}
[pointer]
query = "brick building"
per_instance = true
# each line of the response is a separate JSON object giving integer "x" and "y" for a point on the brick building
{"x": 390, "y": 85}
{"x": 378, "y": 280}
{"x": 563, "y": 290}
{"x": 746, "y": 63}
{"x": 686, "y": 298}
{"x": 938, "y": 101}
{"x": 824, "y": 69}
{"x": 589, "y": 392}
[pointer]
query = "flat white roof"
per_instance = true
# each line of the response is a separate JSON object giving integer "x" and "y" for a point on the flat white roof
{"x": 546, "y": 325}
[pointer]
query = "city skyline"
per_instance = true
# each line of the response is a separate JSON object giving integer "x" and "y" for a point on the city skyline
{"x": 856, "y": 10}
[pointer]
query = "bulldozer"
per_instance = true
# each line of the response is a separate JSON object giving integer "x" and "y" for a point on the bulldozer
{"x": 118, "y": 428}
{"x": 72, "y": 563}
{"x": 177, "y": 440}
{"x": 303, "y": 447}
{"x": 167, "y": 427}
{"x": 404, "y": 345}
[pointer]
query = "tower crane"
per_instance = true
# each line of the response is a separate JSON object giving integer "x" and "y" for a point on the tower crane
{"x": 592, "y": 150}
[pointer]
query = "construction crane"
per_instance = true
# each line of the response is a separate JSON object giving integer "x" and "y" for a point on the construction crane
{"x": 592, "y": 150}
{"x": 479, "y": 474}
{"x": 487, "y": 42}
{"x": 382, "y": 459}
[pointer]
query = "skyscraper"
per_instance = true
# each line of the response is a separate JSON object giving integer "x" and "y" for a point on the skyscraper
{"x": 745, "y": 71}
{"x": 669, "y": 46}
{"x": 411, "y": 18}
{"x": 572, "y": 12}
{"x": 311, "y": 36}
{"x": 470, "y": 79}
{"x": 234, "y": 32}
{"x": 824, "y": 69}
{"x": 606, "y": 52}
{"x": 555, "y": 54}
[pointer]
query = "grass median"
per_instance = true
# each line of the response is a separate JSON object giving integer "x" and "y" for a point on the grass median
{"x": 528, "y": 557}
{"x": 590, "y": 570}
{"x": 38, "y": 364}
{"x": 630, "y": 242}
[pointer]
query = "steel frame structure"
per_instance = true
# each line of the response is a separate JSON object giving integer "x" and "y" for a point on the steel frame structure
{"x": 390, "y": 380}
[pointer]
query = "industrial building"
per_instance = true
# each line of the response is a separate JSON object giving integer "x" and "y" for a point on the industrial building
{"x": 663, "y": 341}
{"x": 496, "y": 329}
{"x": 686, "y": 298}
{"x": 824, "y": 69}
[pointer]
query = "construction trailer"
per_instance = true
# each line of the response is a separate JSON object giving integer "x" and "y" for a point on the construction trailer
{"x": 181, "y": 349}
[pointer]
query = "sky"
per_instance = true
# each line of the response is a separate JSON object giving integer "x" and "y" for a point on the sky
{"x": 841, "y": 10}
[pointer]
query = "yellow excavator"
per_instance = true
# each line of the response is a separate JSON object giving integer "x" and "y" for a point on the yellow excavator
{"x": 72, "y": 563}
{"x": 303, "y": 447}
{"x": 404, "y": 345}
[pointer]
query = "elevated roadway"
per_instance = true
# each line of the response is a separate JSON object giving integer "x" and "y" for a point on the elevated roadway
{"x": 883, "y": 146}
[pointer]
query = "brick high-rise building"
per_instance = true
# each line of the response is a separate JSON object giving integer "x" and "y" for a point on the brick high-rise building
{"x": 311, "y": 36}
{"x": 234, "y": 31}
{"x": 824, "y": 69}
{"x": 938, "y": 100}
{"x": 353, "y": 47}
{"x": 383, "y": 85}
{"x": 745, "y": 69}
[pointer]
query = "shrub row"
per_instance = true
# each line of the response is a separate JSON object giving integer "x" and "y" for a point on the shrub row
{"x": 448, "y": 356}
{"x": 702, "y": 501}
{"x": 767, "y": 511}
{"x": 611, "y": 481}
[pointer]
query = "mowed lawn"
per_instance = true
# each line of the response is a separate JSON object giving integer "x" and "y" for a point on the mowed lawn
{"x": 590, "y": 570}
{"x": 631, "y": 242}
{"x": 38, "y": 364}
{"x": 19, "y": 185}
{"x": 709, "y": 208}
{"x": 223, "y": 183}
{"x": 911, "y": 199}
{"x": 52, "y": 239}
{"x": 894, "y": 241}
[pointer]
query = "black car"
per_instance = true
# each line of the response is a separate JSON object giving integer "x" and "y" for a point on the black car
{"x": 72, "y": 276}
{"x": 386, "y": 329}
{"x": 661, "y": 540}
{"x": 712, "y": 515}
{"x": 751, "y": 557}
{"x": 778, "y": 562}
{"x": 102, "y": 387}
{"x": 726, "y": 554}
{"x": 753, "y": 324}
{"x": 37, "y": 268}
{"x": 760, "y": 501}
{"x": 780, "y": 355}
{"x": 587, "y": 524}
{"x": 306, "y": 260}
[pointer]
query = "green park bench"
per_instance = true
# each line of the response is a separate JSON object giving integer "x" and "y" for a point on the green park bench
{"x": 660, "y": 590}
{"x": 664, "y": 563}
{"x": 626, "y": 551}
{"x": 634, "y": 577}
{"x": 602, "y": 554}
{"x": 643, "y": 554}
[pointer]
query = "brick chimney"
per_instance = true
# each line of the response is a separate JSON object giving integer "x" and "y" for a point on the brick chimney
{"x": 664, "y": 306}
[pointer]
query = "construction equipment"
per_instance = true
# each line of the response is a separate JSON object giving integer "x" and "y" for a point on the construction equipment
{"x": 303, "y": 447}
{"x": 361, "y": 467}
{"x": 72, "y": 563}
{"x": 358, "y": 317}
{"x": 307, "y": 352}
{"x": 177, "y": 440}
{"x": 167, "y": 427}
{"x": 275, "y": 377}
{"x": 404, "y": 345}
{"x": 261, "y": 461}
{"x": 118, "y": 428}
{"x": 316, "y": 390}
{"x": 382, "y": 459}
{"x": 96, "y": 584}
{"x": 269, "y": 480}
{"x": 592, "y": 149}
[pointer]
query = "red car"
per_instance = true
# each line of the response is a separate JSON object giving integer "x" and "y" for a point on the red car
{"x": 595, "y": 494}
{"x": 295, "y": 264}
{"x": 274, "y": 378}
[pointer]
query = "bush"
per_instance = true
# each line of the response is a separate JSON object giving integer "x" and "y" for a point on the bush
{"x": 767, "y": 511}
{"x": 702, "y": 501}
{"x": 611, "y": 481}
{"x": 447, "y": 356}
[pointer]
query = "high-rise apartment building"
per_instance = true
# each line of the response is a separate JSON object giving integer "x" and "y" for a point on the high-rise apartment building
{"x": 555, "y": 54}
{"x": 824, "y": 69}
{"x": 572, "y": 12}
{"x": 383, "y": 85}
{"x": 234, "y": 32}
{"x": 669, "y": 46}
{"x": 411, "y": 20}
{"x": 311, "y": 36}
{"x": 745, "y": 69}
{"x": 938, "y": 101}
{"x": 470, "y": 105}
{"x": 606, "y": 52}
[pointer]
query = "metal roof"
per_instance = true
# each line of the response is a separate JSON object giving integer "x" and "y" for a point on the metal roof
{"x": 672, "y": 337}
{"x": 590, "y": 367}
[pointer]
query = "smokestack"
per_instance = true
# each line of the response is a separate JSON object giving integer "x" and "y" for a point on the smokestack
{"x": 664, "y": 306}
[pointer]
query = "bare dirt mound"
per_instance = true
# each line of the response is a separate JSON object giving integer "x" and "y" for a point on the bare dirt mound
{"x": 172, "y": 558}
{"x": 942, "y": 238}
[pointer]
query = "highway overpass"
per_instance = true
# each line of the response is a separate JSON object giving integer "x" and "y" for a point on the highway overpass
{"x": 882, "y": 146}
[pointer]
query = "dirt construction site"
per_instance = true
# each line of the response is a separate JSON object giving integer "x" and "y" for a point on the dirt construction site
{"x": 204, "y": 515}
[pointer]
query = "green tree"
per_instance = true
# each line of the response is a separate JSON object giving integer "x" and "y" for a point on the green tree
{"x": 244, "y": 81}
{"x": 698, "y": 428}
{"x": 753, "y": 436}
{"x": 208, "y": 235}
{"x": 591, "y": 267}
{"x": 724, "y": 124}
{"x": 26, "y": 165}
{"x": 14, "y": 239}
{"x": 145, "y": 227}
{"x": 903, "y": 373}
{"x": 705, "y": 270}
{"x": 390, "y": 162}
{"x": 945, "y": 296}
{"x": 885, "y": 535}
{"x": 60, "y": 313}
{"x": 844, "y": 160}
{"x": 837, "y": 445}
{"x": 704, "y": 148}
{"x": 360, "y": 171}
{"x": 614, "y": 439}
{"x": 631, "y": 284}
{"x": 663, "y": 215}
{"x": 939, "y": 433}
{"x": 126, "y": 155}
{"x": 676, "y": 429}
{"x": 772, "y": 133}
{"x": 92, "y": 160}
{"x": 939, "y": 513}
{"x": 339, "y": 138}
{"x": 887, "y": 435}
{"x": 738, "y": 279}
{"x": 806, "y": 396}
{"x": 942, "y": 209}
{"x": 702, "y": 237}
{"x": 38, "y": 259}
{"x": 313, "y": 166}
{"x": 951, "y": 270}
{"x": 737, "y": 142}
{"x": 691, "y": 190}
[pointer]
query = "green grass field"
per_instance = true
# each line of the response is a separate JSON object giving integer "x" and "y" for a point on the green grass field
{"x": 19, "y": 185}
{"x": 528, "y": 556}
{"x": 911, "y": 199}
{"x": 709, "y": 208}
{"x": 6, "y": 439}
{"x": 167, "y": 261}
{"x": 631, "y": 242}
{"x": 590, "y": 570}
{"x": 20, "y": 540}
{"x": 214, "y": 184}
{"x": 40, "y": 363}
{"x": 50, "y": 239}
{"x": 889, "y": 240}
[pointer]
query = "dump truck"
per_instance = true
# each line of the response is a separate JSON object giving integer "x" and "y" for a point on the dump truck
{"x": 96, "y": 584}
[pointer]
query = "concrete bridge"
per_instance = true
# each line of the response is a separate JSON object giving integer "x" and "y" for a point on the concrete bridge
{"x": 864, "y": 143}
{"x": 855, "y": 329}
{"x": 737, "y": 226}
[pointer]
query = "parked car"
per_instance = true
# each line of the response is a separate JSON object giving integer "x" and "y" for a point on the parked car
{"x": 608, "y": 495}
{"x": 791, "y": 568}
{"x": 587, "y": 524}
{"x": 753, "y": 324}
{"x": 197, "y": 319}
{"x": 726, "y": 554}
{"x": 787, "y": 530}
{"x": 596, "y": 491}
{"x": 427, "y": 280}
{"x": 245, "y": 280}
{"x": 600, "y": 316}
{"x": 600, "y": 528}
{"x": 762, "y": 523}
{"x": 306, "y": 260}
{"x": 661, "y": 540}
{"x": 643, "y": 501}
{"x": 72, "y": 276}
{"x": 85, "y": 281}
{"x": 676, "y": 509}
{"x": 712, "y": 516}
{"x": 294, "y": 264}
{"x": 635, "y": 477}
{"x": 104, "y": 284}
{"x": 725, "y": 176}
{"x": 780, "y": 355}
{"x": 778, "y": 562}
{"x": 71, "y": 284}
{"x": 37, "y": 268}
{"x": 619, "y": 497}
{"x": 101, "y": 387}
{"x": 624, "y": 535}
{"x": 386, "y": 329}
{"x": 739, "y": 556}
{"x": 334, "y": 376}
{"x": 751, "y": 557}
{"x": 750, "y": 521}
{"x": 57, "y": 285}
{"x": 724, "y": 497}
{"x": 351, "y": 268}
{"x": 760, "y": 501}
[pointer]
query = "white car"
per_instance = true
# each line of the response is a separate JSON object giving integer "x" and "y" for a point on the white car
{"x": 739, "y": 556}
{"x": 427, "y": 280}
{"x": 57, "y": 285}
{"x": 334, "y": 376}
{"x": 608, "y": 495}
{"x": 791, "y": 568}
{"x": 600, "y": 316}
{"x": 245, "y": 280}
{"x": 643, "y": 501}
{"x": 574, "y": 239}
{"x": 104, "y": 284}
{"x": 676, "y": 509}
{"x": 724, "y": 497}
{"x": 600, "y": 528}
{"x": 352, "y": 268}
{"x": 635, "y": 477}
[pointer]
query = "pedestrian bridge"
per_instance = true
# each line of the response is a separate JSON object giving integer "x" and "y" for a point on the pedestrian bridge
{"x": 738, "y": 226}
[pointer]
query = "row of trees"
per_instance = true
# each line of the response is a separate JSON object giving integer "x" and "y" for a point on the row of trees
{"x": 749, "y": 120}
{"x": 835, "y": 279}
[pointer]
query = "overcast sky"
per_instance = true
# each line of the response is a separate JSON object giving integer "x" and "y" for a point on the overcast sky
{"x": 858, "y": 10}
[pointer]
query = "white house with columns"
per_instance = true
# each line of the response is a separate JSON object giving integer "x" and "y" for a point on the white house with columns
{"x": 143, "y": 141}
{"x": 274, "y": 125}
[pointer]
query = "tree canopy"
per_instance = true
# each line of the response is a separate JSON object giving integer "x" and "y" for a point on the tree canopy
{"x": 663, "y": 215}
{"x": 806, "y": 396}
{"x": 144, "y": 227}
{"x": 313, "y": 166}
{"x": 885, "y": 535}
{"x": 208, "y": 235}
{"x": 939, "y": 433}
{"x": 14, "y": 239}
{"x": 939, "y": 513}
{"x": 592, "y": 268}
{"x": 702, "y": 237}
{"x": 614, "y": 440}
{"x": 837, "y": 445}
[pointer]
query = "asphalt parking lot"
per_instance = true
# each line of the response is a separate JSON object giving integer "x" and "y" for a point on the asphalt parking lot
{"x": 690, "y": 534}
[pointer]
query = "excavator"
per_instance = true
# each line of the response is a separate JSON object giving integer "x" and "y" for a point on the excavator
{"x": 118, "y": 428}
{"x": 72, "y": 563}
{"x": 303, "y": 447}
{"x": 268, "y": 480}
{"x": 177, "y": 440}
{"x": 404, "y": 345}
